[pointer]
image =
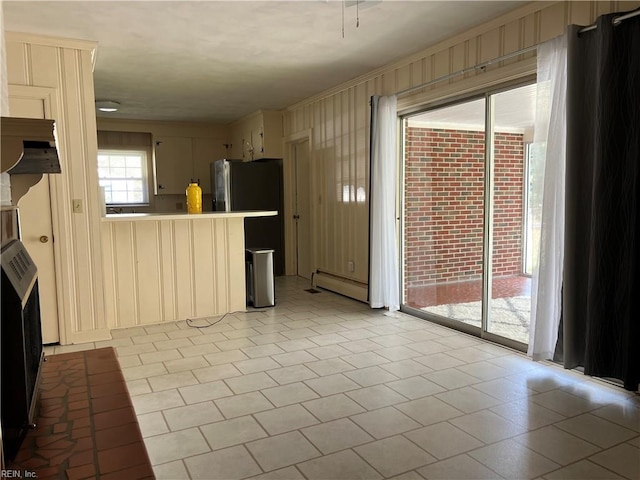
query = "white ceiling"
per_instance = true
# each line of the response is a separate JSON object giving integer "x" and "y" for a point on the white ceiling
{"x": 220, "y": 60}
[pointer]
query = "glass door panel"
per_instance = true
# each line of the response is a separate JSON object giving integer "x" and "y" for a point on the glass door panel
{"x": 444, "y": 152}
{"x": 534, "y": 169}
{"x": 514, "y": 194}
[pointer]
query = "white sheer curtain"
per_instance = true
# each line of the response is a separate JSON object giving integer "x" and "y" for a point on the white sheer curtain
{"x": 550, "y": 135}
{"x": 383, "y": 274}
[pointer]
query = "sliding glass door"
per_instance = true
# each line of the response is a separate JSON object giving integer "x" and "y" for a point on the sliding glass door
{"x": 469, "y": 203}
{"x": 512, "y": 114}
{"x": 444, "y": 177}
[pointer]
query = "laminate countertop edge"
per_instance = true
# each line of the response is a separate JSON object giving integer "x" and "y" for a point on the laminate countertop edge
{"x": 136, "y": 217}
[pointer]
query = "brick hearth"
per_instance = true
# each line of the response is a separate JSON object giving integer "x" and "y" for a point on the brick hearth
{"x": 86, "y": 426}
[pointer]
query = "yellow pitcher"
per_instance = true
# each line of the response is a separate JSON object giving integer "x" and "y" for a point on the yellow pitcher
{"x": 194, "y": 198}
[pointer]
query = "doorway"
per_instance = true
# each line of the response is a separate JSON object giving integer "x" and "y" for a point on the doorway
{"x": 302, "y": 208}
{"x": 36, "y": 227}
{"x": 465, "y": 233}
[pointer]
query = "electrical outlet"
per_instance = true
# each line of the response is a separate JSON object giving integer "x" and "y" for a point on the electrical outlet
{"x": 351, "y": 265}
{"x": 77, "y": 205}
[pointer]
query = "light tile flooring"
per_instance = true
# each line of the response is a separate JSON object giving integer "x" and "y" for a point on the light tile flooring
{"x": 323, "y": 387}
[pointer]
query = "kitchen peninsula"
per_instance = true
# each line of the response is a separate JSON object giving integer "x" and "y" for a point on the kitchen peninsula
{"x": 167, "y": 267}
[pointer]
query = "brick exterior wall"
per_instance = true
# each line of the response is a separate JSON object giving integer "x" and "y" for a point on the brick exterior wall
{"x": 444, "y": 183}
{"x": 508, "y": 219}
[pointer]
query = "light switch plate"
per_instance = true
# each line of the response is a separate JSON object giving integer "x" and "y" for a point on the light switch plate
{"x": 77, "y": 205}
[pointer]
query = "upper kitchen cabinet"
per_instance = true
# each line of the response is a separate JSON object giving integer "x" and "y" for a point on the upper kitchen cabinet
{"x": 180, "y": 159}
{"x": 174, "y": 164}
{"x": 257, "y": 136}
{"x": 205, "y": 151}
{"x": 236, "y": 147}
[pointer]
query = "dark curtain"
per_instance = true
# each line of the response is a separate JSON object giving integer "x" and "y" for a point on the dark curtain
{"x": 601, "y": 295}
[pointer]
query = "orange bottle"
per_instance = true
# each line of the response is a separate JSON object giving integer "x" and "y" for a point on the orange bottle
{"x": 194, "y": 198}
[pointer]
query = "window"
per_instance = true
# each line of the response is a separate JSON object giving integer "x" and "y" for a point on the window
{"x": 123, "y": 174}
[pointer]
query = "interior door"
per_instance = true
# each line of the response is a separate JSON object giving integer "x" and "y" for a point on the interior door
{"x": 36, "y": 228}
{"x": 302, "y": 209}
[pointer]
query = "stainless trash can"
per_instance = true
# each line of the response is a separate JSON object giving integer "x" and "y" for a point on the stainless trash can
{"x": 259, "y": 273}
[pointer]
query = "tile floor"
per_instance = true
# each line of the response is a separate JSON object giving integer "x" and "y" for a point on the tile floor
{"x": 323, "y": 387}
{"x": 509, "y": 317}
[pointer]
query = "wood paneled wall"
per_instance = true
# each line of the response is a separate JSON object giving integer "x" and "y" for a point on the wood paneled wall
{"x": 160, "y": 271}
{"x": 339, "y": 119}
{"x": 67, "y": 67}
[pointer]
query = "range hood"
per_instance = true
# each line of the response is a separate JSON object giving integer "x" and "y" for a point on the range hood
{"x": 37, "y": 157}
{"x": 28, "y": 151}
{"x": 28, "y": 146}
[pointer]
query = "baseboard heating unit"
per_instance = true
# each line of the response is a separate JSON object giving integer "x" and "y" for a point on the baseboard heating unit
{"x": 342, "y": 285}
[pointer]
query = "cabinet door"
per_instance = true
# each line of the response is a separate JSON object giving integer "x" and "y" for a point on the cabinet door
{"x": 255, "y": 144}
{"x": 248, "y": 149}
{"x": 205, "y": 151}
{"x": 272, "y": 131}
{"x": 235, "y": 151}
{"x": 174, "y": 165}
{"x": 257, "y": 132}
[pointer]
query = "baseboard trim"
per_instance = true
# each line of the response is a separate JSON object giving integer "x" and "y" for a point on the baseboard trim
{"x": 91, "y": 336}
{"x": 344, "y": 286}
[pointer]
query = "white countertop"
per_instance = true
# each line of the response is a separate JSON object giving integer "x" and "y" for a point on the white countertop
{"x": 134, "y": 217}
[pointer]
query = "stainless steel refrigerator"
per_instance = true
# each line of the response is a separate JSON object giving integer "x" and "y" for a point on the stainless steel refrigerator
{"x": 257, "y": 185}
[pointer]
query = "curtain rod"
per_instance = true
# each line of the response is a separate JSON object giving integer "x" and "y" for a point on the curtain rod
{"x": 467, "y": 69}
{"x": 615, "y": 21}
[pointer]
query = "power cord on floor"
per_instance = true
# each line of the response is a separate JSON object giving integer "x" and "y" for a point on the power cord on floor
{"x": 211, "y": 324}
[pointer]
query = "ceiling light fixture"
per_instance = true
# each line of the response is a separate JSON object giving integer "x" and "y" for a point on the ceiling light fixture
{"x": 107, "y": 105}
